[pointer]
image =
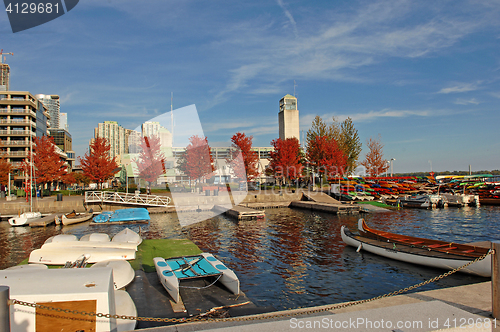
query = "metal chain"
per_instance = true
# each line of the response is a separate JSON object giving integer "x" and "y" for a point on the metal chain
{"x": 245, "y": 318}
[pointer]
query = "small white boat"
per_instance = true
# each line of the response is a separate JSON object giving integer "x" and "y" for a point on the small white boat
{"x": 59, "y": 256}
{"x": 125, "y": 306}
{"x": 123, "y": 274}
{"x": 171, "y": 271}
{"x": 89, "y": 244}
{"x": 127, "y": 235}
{"x": 61, "y": 238}
{"x": 27, "y": 267}
{"x": 74, "y": 218}
{"x": 96, "y": 237}
{"x": 24, "y": 218}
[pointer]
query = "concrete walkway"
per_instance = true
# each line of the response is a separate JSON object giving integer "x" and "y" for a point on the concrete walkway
{"x": 462, "y": 308}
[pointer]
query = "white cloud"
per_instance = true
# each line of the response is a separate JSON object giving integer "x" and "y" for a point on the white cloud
{"x": 461, "y": 87}
{"x": 461, "y": 101}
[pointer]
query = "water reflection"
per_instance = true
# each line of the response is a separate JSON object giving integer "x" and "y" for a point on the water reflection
{"x": 295, "y": 258}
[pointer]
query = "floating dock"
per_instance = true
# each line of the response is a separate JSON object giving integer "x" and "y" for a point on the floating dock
{"x": 44, "y": 221}
{"x": 320, "y": 201}
{"x": 239, "y": 212}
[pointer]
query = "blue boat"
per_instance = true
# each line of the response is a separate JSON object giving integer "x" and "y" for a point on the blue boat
{"x": 123, "y": 216}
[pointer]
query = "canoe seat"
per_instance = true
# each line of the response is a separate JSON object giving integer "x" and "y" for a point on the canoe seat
{"x": 418, "y": 242}
{"x": 468, "y": 251}
{"x": 452, "y": 248}
{"x": 437, "y": 245}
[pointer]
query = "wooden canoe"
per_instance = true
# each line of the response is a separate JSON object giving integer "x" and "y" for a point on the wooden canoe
{"x": 74, "y": 218}
{"x": 416, "y": 255}
{"x": 428, "y": 244}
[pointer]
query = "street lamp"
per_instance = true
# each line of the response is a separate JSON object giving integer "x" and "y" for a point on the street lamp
{"x": 388, "y": 165}
{"x": 391, "y": 165}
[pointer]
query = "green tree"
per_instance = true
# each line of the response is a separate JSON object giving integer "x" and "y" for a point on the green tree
{"x": 350, "y": 143}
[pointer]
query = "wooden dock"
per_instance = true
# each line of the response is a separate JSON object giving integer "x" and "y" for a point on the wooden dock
{"x": 320, "y": 201}
{"x": 44, "y": 221}
{"x": 239, "y": 212}
{"x": 326, "y": 207}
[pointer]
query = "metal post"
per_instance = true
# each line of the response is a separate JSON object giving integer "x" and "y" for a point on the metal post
{"x": 4, "y": 309}
{"x": 495, "y": 280}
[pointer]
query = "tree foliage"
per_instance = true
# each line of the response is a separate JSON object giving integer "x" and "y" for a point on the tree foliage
{"x": 374, "y": 162}
{"x": 285, "y": 162}
{"x": 151, "y": 161}
{"x": 344, "y": 134}
{"x": 250, "y": 167}
{"x": 49, "y": 166}
{"x": 97, "y": 164}
{"x": 80, "y": 178}
{"x": 350, "y": 143}
{"x": 199, "y": 162}
{"x": 326, "y": 157}
{"x": 5, "y": 166}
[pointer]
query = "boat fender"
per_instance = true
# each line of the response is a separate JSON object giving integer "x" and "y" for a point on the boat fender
{"x": 359, "y": 248}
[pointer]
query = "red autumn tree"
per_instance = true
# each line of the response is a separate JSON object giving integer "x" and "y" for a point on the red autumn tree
{"x": 250, "y": 167}
{"x": 68, "y": 178}
{"x": 199, "y": 162}
{"x": 5, "y": 166}
{"x": 151, "y": 161}
{"x": 374, "y": 162}
{"x": 49, "y": 166}
{"x": 326, "y": 157}
{"x": 81, "y": 179}
{"x": 97, "y": 164}
{"x": 285, "y": 162}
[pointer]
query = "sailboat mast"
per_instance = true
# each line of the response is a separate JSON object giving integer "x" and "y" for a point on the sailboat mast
{"x": 172, "y": 114}
{"x": 31, "y": 170}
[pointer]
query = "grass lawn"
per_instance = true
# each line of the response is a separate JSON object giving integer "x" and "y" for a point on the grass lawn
{"x": 165, "y": 248}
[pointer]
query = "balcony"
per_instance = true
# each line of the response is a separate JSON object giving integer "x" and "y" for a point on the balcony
{"x": 14, "y": 143}
{"x": 17, "y": 153}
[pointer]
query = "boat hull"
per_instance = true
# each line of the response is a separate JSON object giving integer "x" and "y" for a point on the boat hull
{"x": 405, "y": 254}
{"x": 24, "y": 218}
{"x": 167, "y": 278}
{"x": 57, "y": 256}
{"x": 81, "y": 217}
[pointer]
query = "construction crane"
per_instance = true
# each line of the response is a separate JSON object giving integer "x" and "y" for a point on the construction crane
{"x": 2, "y": 53}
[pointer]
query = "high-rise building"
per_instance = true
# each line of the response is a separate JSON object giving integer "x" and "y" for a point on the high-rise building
{"x": 63, "y": 121}
{"x": 4, "y": 77}
{"x": 51, "y": 102}
{"x": 150, "y": 128}
{"x": 115, "y": 135}
{"x": 22, "y": 117}
{"x": 63, "y": 140}
{"x": 288, "y": 118}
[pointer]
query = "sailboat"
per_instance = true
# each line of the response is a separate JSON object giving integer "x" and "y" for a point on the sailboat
{"x": 24, "y": 218}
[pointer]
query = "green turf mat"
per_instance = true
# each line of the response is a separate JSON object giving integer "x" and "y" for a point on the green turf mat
{"x": 165, "y": 248}
{"x": 376, "y": 204}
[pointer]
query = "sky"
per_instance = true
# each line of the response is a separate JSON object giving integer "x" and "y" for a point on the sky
{"x": 424, "y": 75}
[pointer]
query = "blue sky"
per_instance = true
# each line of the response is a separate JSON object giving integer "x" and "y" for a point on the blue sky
{"x": 422, "y": 74}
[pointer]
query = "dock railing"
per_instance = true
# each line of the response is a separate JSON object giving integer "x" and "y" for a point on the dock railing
{"x": 126, "y": 198}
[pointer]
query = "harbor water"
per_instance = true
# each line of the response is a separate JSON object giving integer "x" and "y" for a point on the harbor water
{"x": 296, "y": 258}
